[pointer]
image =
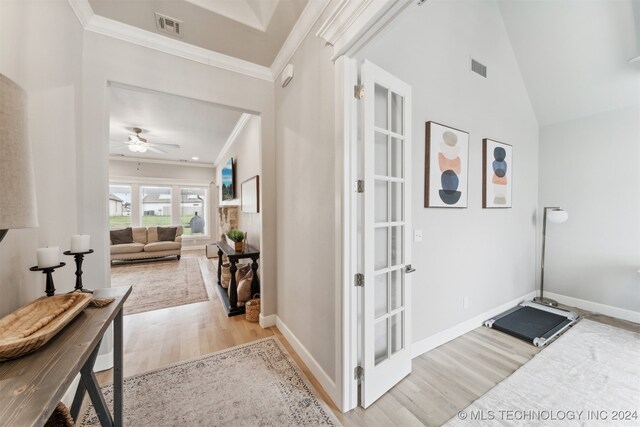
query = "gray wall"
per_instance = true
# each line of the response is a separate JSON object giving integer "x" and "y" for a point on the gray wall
{"x": 486, "y": 255}
{"x": 306, "y": 201}
{"x": 591, "y": 167}
{"x": 40, "y": 49}
{"x": 245, "y": 151}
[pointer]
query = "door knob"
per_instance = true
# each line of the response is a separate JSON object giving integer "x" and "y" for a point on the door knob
{"x": 409, "y": 269}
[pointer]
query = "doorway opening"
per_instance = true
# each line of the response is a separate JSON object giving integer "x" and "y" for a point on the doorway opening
{"x": 170, "y": 201}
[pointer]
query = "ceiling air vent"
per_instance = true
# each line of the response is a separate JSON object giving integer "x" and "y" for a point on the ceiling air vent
{"x": 478, "y": 68}
{"x": 168, "y": 25}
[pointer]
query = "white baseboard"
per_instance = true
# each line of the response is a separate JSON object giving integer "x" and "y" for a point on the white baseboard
{"x": 619, "y": 313}
{"x": 267, "y": 321}
{"x": 325, "y": 380}
{"x": 429, "y": 343}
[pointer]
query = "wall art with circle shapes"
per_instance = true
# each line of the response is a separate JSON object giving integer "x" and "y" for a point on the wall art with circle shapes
{"x": 497, "y": 167}
{"x": 446, "y": 167}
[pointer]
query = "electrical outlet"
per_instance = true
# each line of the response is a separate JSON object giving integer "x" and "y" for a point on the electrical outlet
{"x": 417, "y": 235}
{"x": 465, "y": 302}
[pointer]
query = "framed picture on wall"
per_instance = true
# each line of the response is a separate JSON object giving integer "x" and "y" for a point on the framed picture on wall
{"x": 446, "y": 167}
{"x": 497, "y": 165}
{"x": 228, "y": 190}
{"x": 250, "y": 195}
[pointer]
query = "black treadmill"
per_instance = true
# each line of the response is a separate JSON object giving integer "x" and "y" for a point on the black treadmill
{"x": 535, "y": 323}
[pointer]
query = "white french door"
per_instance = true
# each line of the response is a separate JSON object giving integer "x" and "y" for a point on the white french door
{"x": 386, "y": 127}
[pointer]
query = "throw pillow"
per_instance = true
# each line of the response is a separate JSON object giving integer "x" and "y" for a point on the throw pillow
{"x": 244, "y": 288}
{"x": 122, "y": 236}
{"x": 243, "y": 269}
{"x": 167, "y": 234}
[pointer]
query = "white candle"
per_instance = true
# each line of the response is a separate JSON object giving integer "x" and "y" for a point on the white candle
{"x": 48, "y": 257}
{"x": 80, "y": 243}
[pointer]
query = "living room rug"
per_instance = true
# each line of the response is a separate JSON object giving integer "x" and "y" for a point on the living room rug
{"x": 254, "y": 384}
{"x": 160, "y": 284}
{"x": 589, "y": 376}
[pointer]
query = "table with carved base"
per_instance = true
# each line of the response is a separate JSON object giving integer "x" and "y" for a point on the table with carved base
{"x": 230, "y": 298}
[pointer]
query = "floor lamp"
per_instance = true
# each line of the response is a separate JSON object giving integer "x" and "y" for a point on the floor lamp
{"x": 556, "y": 215}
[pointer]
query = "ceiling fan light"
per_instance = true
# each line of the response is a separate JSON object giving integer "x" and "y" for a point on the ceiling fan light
{"x": 137, "y": 148}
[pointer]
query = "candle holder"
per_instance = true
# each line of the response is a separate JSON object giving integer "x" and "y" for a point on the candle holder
{"x": 50, "y": 289}
{"x": 79, "y": 257}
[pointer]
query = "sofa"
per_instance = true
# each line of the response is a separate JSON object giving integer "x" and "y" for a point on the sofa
{"x": 145, "y": 243}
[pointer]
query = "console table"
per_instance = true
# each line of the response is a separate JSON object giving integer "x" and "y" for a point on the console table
{"x": 33, "y": 385}
{"x": 230, "y": 298}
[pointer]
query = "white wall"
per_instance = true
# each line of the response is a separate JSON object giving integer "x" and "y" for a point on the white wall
{"x": 307, "y": 207}
{"x": 590, "y": 167}
{"x": 245, "y": 151}
{"x": 103, "y": 60}
{"x": 40, "y": 49}
{"x": 486, "y": 255}
{"x": 175, "y": 175}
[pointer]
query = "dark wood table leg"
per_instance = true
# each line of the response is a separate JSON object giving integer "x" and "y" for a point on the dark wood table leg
{"x": 219, "y": 265}
{"x": 255, "y": 284}
{"x": 90, "y": 383}
{"x": 233, "y": 287}
{"x": 118, "y": 378}
{"x": 80, "y": 391}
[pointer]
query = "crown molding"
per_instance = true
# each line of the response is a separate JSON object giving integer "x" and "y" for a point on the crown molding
{"x": 242, "y": 121}
{"x": 308, "y": 18}
{"x": 118, "y": 30}
{"x": 83, "y": 11}
{"x": 342, "y": 17}
{"x": 353, "y": 22}
{"x": 160, "y": 161}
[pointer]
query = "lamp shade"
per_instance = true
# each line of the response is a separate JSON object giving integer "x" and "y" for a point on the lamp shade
{"x": 557, "y": 215}
{"x": 17, "y": 188}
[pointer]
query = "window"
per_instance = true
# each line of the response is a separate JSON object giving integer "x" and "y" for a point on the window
{"x": 119, "y": 206}
{"x": 156, "y": 206}
{"x": 193, "y": 211}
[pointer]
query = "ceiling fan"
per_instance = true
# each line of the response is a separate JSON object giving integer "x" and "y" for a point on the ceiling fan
{"x": 138, "y": 144}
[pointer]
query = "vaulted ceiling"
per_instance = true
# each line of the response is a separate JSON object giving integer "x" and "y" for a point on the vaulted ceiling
{"x": 574, "y": 55}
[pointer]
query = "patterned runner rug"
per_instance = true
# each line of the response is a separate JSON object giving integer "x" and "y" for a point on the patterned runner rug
{"x": 160, "y": 284}
{"x": 255, "y": 384}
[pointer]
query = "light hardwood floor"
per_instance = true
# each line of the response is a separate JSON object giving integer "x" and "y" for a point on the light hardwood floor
{"x": 443, "y": 381}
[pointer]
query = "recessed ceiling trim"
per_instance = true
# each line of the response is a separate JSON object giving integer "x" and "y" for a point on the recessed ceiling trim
{"x": 160, "y": 162}
{"x": 242, "y": 121}
{"x": 118, "y": 30}
{"x": 299, "y": 32}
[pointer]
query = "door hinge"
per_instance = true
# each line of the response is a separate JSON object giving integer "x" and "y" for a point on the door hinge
{"x": 359, "y": 279}
{"x": 358, "y": 373}
{"x": 360, "y": 186}
{"x": 358, "y": 91}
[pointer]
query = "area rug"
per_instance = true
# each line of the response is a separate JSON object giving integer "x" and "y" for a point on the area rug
{"x": 160, "y": 284}
{"x": 589, "y": 376}
{"x": 255, "y": 384}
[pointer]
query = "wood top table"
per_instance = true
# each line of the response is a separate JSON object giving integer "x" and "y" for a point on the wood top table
{"x": 230, "y": 299}
{"x": 31, "y": 386}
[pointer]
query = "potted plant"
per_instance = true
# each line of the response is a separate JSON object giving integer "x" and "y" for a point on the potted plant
{"x": 235, "y": 239}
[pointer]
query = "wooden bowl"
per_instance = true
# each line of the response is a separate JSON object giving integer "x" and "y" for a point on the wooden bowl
{"x": 32, "y": 325}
